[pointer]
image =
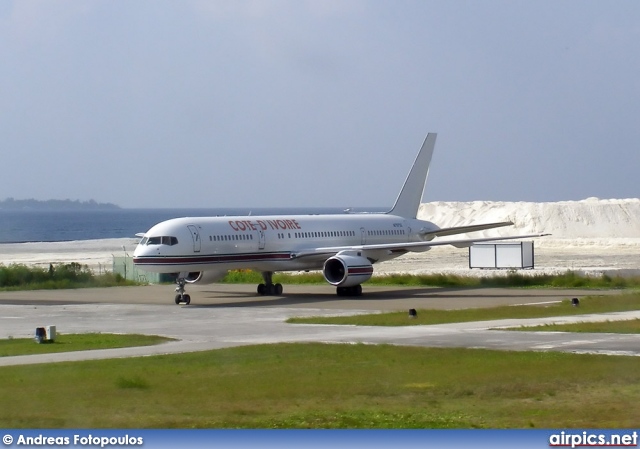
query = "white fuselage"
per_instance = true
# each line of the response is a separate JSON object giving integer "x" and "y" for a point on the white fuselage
{"x": 268, "y": 243}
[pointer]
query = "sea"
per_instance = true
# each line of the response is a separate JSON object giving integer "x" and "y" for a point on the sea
{"x": 20, "y": 226}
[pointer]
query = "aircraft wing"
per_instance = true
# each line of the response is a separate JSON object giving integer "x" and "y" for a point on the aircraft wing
{"x": 464, "y": 229}
{"x": 407, "y": 246}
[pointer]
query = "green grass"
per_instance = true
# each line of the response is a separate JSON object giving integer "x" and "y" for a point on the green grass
{"x": 337, "y": 386}
{"x": 75, "y": 275}
{"x": 76, "y": 342}
{"x": 612, "y": 327}
{"x": 570, "y": 279}
{"x": 602, "y": 304}
{"x": 327, "y": 386}
{"x": 59, "y": 276}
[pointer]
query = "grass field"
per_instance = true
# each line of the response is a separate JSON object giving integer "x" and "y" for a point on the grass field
{"x": 569, "y": 279}
{"x": 58, "y": 276}
{"x": 336, "y": 386}
{"x": 594, "y": 304}
{"x": 327, "y": 386}
{"x": 613, "y": 327}
{"x": 75, "y": 275}
{"x": 76, "y": 342}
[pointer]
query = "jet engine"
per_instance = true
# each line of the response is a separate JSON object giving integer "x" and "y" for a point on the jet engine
{"x": 347, "y": 269}
{"x": 202, "y": 277}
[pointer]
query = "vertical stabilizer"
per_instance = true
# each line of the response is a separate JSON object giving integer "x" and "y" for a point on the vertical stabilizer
{"x": 410, "y": 196}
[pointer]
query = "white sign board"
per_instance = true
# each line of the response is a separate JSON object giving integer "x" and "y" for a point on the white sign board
{"x": 501, "y": 255}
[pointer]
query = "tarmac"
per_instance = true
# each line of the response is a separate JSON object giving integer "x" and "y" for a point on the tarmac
{"x": 222, "y": 315}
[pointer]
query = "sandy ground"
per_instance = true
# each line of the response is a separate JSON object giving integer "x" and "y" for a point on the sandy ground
{"x": 591, "y": 256}
{"x": 97, "y": 254}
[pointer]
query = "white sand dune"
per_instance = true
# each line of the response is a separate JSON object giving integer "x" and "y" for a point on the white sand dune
{"x": 592, "y": 236}
{"x": 591, "y": 219}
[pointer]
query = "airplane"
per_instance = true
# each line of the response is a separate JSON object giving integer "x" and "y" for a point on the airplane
{"x": 345, "y": 247}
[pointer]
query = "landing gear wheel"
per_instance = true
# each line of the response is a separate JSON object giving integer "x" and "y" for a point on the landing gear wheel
{"x": 356, "y": 290}
{"x": 181, "y": 296}
{"x": 270, "y": 289}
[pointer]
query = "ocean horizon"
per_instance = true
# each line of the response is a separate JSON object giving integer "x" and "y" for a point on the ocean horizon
{"x": 22, "y": 226}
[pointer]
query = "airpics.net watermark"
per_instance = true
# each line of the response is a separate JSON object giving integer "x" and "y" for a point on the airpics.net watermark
{"x": 593, "y": 439}
{"x": 75, "y": 440}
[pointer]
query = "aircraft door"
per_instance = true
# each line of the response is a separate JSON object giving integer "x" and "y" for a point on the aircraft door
{"x": 261, "y": 240}
{"x": 363, "y": 236}
{"x": 195, "y": 235}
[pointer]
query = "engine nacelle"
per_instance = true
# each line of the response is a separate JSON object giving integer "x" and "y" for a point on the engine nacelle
{"x": 202, "y": 277}
{"x": 347, "y": 269}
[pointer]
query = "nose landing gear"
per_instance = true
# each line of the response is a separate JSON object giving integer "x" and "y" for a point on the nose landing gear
{"x": 182, "y": 297}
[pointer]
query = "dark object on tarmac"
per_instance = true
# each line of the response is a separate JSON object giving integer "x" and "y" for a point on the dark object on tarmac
{"x": 413, "y": 313}
{"x": 41, "y": 334}
{"x": 575, "y": 302}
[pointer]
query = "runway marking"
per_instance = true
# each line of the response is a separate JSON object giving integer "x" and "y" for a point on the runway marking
{"x": 535, "y": 303}
{"x": 605, "y": 352}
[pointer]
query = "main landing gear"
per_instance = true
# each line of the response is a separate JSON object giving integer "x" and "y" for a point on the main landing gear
{"x": 269, "y": 288}
{"x": 181, "y": 296}
{"x": 356, "y": 290}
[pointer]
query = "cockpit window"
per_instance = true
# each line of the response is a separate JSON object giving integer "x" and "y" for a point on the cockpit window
{"x": 164, "y": 240}
{"x": 144, "y": 241}
{"x": 169, "y": 241}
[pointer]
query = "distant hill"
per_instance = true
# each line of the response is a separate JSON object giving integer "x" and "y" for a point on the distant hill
{"x": 31, "y": 204}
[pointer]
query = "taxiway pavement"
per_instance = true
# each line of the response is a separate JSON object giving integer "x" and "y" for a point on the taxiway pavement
{"x": 233, "y": 315}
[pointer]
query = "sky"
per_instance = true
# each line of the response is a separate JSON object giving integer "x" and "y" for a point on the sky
{"x": 309, "y": 103}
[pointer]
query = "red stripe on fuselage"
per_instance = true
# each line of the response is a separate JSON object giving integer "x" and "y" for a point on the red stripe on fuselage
{"x": 210, "y": 259}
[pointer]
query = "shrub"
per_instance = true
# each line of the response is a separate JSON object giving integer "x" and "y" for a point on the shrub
{"x": 71, "y": 275}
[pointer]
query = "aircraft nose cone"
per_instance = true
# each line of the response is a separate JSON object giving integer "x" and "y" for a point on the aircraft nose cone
{"x": 139, "y": 251}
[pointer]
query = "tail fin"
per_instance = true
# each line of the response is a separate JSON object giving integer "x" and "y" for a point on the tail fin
{"x": 410, "y": 196}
